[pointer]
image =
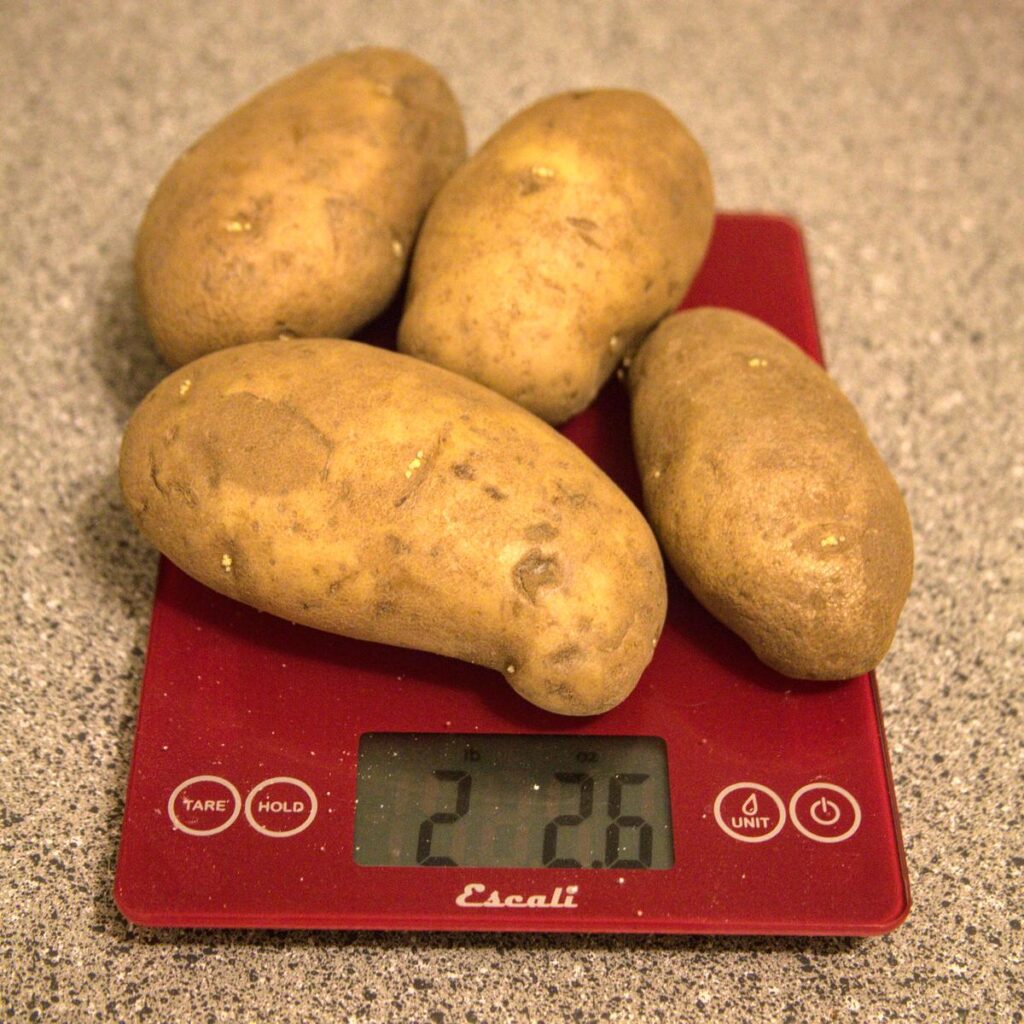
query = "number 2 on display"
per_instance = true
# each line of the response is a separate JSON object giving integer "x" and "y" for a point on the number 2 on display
{"x": 426, "y": 836}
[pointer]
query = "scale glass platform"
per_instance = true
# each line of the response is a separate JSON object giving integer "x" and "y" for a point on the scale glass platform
{"x": 287, "y": 778}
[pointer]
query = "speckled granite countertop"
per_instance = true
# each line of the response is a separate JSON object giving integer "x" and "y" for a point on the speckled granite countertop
{"x": 893, "y": 131}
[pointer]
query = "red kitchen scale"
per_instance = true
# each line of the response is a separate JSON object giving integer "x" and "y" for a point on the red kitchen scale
{"x": 286, "y": 778}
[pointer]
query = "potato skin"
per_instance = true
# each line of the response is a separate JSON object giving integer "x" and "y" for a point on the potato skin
{"x": 550, "y": 253}
{"x": 767, "y": 495}
{"x": 370, "y": 494}
{"x": 295, "y": 215}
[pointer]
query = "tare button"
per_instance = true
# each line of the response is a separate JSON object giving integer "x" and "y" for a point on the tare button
{"x": 204, "y": 805}
{"x": 281, "y": 807}
{"x": 750, "y": 812}
{"x": 825, "y": 812}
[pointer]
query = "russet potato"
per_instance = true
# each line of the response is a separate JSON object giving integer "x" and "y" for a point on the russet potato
{"x": 296, "y": 214}
{"x": 552, "y": 251}
{"x": 767, "y": 495}
{"x": 370, "y": 494}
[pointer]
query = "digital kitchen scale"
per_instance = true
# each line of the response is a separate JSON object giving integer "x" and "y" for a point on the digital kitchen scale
{"x": 286, "y": 778}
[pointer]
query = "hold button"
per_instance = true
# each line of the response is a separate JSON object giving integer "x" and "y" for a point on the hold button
{"x": 281, "y": 807}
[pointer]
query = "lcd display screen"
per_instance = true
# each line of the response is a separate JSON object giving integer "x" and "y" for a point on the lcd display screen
{"x": 446, "y": 800}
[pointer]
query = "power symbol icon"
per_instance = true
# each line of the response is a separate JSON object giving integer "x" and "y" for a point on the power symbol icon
{"x": 825, "y": 812}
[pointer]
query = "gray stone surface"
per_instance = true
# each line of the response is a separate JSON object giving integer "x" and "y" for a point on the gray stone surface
{"x": 893, "y": 131}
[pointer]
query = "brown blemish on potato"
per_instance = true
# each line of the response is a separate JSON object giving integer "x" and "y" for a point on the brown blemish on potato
{"x": 339, "y": 581}
{"x": 551, "y": 283}
{"x": 585, "y": 228}
{"x": 263, "y": 446}
{"x": 343, "y": 491}
{"x": 541, "y": 532}
{"x": 567, "y": 653}
{"x": 186, "y": 494}
{"x": 213, "y": 483}
{"x": 395, "y": 544}
{"x": 463, "y": 471}
{"x": 535, "y": 570}
{"x": 565, "y": 698}
{"x": 382, "y": 608}
{"x": 154, "y": 475}
{"x": 493, "y": 492}
{"x": 577, "y": 499}
{"x": 413, "y": 91}
{"x": 297, "y": 529}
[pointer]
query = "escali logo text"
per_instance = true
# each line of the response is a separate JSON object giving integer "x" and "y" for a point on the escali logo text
{"x": 559, "y": 898}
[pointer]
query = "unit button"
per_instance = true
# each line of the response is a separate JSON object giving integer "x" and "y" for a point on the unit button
{"x": 281, "y": 807}
{"x": 750, "y": 812}
{"x": 824, "y": 812}
{"x": 204, "y": 805}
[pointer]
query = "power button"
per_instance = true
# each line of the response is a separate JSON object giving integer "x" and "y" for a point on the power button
{"x": 824, "y": 812}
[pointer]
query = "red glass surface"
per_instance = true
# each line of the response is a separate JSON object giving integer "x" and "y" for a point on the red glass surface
{"x": 271, "y": 714}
